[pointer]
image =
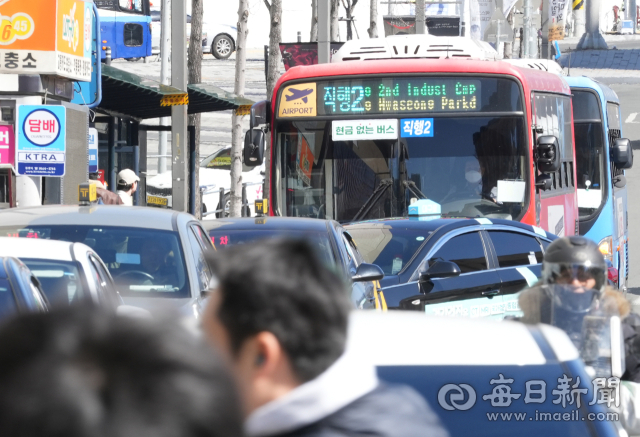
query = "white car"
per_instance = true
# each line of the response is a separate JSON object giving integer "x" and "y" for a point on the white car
{"x": 68, "y": 272}
{"x": 217, "y": 39}
{"x": 214, "y": 174}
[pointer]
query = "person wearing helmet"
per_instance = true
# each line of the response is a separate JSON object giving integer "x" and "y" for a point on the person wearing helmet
{"x": 574, "y": 276}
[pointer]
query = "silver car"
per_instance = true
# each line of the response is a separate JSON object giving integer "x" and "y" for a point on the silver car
{"x": 156, "y": 257}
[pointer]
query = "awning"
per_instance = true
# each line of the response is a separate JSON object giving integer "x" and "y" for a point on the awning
{"x": 128, "y": 95}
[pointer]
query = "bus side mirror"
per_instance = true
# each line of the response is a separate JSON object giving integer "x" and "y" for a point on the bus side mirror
{"x": 254, "y": 143}
{"x": 259, "y": 114}
{"x": 622, "y": 153}
{"x": 547, "y": 154}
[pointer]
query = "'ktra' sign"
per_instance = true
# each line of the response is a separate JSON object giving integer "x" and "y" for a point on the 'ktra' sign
{"x": 41, "y": 140}
{"x": 7, "y": 151}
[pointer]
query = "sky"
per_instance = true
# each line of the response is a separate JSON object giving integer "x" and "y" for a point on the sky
{"x": 296, "y": 16}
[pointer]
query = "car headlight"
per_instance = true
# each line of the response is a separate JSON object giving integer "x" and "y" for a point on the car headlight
{"x": 606, "y": 248}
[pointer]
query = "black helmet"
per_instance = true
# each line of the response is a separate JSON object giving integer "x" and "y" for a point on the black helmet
{"x": 571, "y": 258}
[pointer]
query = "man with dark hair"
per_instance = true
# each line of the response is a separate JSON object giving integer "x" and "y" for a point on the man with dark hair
{"x": 281, "y": 318}
{"x": 80, "y": 372}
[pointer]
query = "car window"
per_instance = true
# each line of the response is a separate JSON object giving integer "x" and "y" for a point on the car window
{"x": 202, "y": 268}
{"x": 8, "y": 305}
{"x": 222, "y": 238}
{"x": 388, "y": 248}
{"x": 353, "y": 260}
{"x": 144, "y": 262}
{"x": 202, "y": 237}
{"x": 466, "y": 250}
{"x": 104, "y": 284}
{"x": 221, "y": 160}
{"x": 516, "y": 249}
{"x": 62, "y": 281}
{"x": 545, "y": 244}
{"x": 38, "y": 295}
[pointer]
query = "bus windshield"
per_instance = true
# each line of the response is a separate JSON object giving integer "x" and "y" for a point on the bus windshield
{"x": 472, "y": 163}
{"x": 590, "y": 158}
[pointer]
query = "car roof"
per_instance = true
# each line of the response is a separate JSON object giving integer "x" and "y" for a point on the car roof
{"x": 94, "y": 215}
{"x": 409, "y": 338}
{"x": 432, "y": 225}
{"x": 267, "y": 224}
{"x": 38, "y": 248}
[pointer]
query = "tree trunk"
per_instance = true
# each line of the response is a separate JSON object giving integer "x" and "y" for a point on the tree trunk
{"x": 194, "y": 66}
{"x": 275, "y": 60}
{"x": 348, "y": 7}
{"x": 236, "y": 120}
{"x": 335, "y": 15}
{"x": 373, "y": 19}
{"x": 313, "y": 37}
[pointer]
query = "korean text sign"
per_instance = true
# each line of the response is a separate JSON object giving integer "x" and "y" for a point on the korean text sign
{"x": 46, "y": 37}
{"x": 41, "y": 140}
{"x": 7, "y": 144}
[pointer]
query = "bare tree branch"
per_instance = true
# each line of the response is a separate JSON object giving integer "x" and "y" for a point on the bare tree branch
{"x": 266, "y": 2}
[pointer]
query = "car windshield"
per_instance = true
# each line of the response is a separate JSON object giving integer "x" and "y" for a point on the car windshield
{"x": 7, "y": 300}
{"x": 143, "y": 262}
{"x": 319, "y": 240}
{"x": 62, "y": 281}
{"x": 390, "y": 249}
{"x": 473, "y": 163}
{"x": 590, "y": 158}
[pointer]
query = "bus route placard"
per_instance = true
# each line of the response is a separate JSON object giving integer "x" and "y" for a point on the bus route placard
{"x": 398, "y": 96}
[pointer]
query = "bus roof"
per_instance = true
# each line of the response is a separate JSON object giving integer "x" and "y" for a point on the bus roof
{"x": 606, "y": 93}
{"x": 532, "y": 80}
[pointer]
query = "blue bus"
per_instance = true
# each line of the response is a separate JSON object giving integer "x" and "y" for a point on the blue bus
{"x": 125, "y": 27}
{"x": 602, "y": 155}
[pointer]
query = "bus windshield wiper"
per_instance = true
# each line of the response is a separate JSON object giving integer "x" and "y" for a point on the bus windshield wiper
{"x": 411, "y": 186}
{"x": 373, "y": 199}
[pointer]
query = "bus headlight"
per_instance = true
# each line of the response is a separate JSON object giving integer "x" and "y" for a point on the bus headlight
{"x": 606, "y": 248}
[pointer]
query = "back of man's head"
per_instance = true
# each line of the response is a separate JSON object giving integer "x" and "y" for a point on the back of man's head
{"x": 79, "y": 372}
{"x": 280, "y": 286}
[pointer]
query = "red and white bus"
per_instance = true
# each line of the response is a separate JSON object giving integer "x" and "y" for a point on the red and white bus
{"x": 364, "y": 139}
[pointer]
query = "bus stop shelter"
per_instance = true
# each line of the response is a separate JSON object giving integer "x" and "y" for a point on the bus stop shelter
{"x": 128, "y": 100}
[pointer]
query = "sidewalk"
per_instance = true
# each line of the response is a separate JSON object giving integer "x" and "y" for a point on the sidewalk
{"x": 607, "y": 63}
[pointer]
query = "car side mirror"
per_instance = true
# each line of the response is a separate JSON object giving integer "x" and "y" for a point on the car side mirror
{"x": 544, "y": 182}
{"x": 254, "y": 144}
{"x": 548, "y": 154}
{"x": 622, "y": 153}
{"x": 440, "y": 269}
{"x": 259, "y": 114}
{"x": 367, "y": 272}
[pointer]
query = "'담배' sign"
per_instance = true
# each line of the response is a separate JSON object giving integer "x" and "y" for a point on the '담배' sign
{"x": 41, "y": 146}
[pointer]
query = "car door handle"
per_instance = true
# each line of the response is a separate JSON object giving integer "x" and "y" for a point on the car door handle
{"x": 490, "y": 293}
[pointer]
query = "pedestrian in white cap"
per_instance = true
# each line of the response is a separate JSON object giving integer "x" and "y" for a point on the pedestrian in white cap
{"x": 127, "y": 185}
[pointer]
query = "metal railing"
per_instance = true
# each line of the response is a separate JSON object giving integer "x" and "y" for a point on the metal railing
{"x": 245, "y": 208}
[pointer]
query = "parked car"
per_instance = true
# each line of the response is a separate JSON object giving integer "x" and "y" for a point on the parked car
{"x": 458, "y": 267}
{"x": 486, "y": 378}
{"x": 20, "y": 291}
{"x": 155, "y": 256}
{"x": 334, "y": 246}
{"x": 68, "y": 272}
{"x": 217, "y": 39}
{"x": 214, "y": 174}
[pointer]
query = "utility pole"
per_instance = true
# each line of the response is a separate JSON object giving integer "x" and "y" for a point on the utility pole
{"x": 544, "y": 45}
{"x": 165, "y": 50}
{"x": 324, "y": 43}
{"x": 578, "y": 17}
{"x": 179, "y": 144}
{"x": 420, "y": 18}
{"x": 592, "y": 39}
{"x": 526, "y": 29}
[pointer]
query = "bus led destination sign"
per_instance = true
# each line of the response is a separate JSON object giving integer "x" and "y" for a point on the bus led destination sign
{"x": 399, "y": 95}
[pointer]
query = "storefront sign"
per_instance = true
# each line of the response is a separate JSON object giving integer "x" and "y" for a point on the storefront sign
{"x": 7, "y": 144}
{"x": 93, "y": 150}
{"x": 46, "y": 37}
{"x": 41, "y": 140}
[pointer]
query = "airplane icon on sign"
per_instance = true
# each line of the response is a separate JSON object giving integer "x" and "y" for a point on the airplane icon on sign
{"x": 299, "y": 94}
